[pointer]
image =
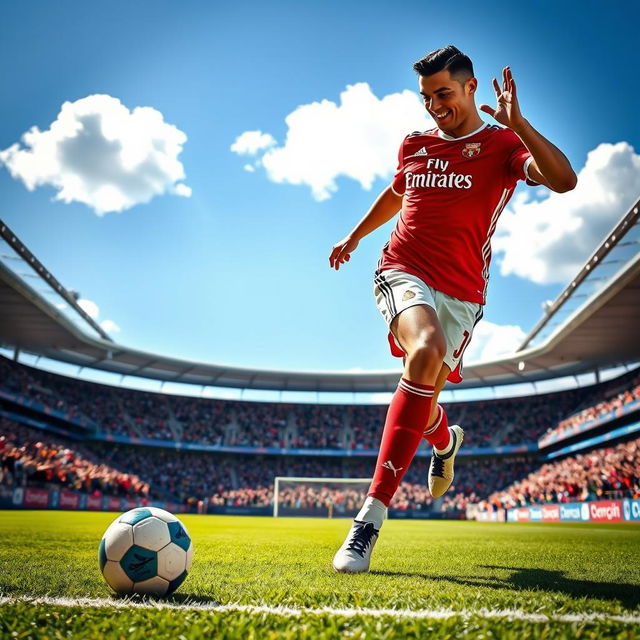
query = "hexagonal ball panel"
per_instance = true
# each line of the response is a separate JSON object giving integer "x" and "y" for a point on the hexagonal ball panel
{"x": 162, "y": 514}
{"x": 153, "y": 587}
{"x": 116, "y": 578}
{"x": 118, "y": 538}
{"x": 135, "y": 515}
{"x": 172, "y": 561}
{"x": 152, "y": 534}
{"x": 179, "y": 534}
{"x": 140, "y": 564}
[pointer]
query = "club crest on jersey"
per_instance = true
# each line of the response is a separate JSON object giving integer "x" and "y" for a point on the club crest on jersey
{"x": 471, "y": 149}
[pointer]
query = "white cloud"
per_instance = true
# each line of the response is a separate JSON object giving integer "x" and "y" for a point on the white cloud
{"x": 182, "y": 190}
{"x": 90, "y": 308}
{"x": 110, "y": 326}
{"x": 100, "y": 153}
{"x": 93, "y": 311}
{"x": 249, "y": 167}
{"x": 491, "y": 341}
{"x": 358, "y": 138}
{"x": 250, "y": 142}
{"x": 548, "y": 241}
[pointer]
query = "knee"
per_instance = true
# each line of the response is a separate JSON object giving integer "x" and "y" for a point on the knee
{"x": 428, "y": 350}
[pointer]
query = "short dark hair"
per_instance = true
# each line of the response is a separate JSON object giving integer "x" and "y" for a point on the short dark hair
{"x": 449, "y": 59}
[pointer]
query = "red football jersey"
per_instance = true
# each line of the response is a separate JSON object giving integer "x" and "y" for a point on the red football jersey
{"x": 454, "y": 191}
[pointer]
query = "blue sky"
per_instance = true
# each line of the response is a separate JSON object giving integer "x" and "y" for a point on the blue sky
{"x": 232, "y": 267}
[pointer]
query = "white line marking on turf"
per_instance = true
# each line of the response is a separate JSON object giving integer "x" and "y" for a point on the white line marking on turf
{"x": 436, "y": 614}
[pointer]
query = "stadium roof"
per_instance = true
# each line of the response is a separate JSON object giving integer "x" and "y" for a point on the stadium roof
{"x": 592, "y": 324}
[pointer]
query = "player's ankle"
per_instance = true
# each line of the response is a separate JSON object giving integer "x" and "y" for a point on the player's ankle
{"x": 443, "y": 448}
{"x": 373, "y": 510}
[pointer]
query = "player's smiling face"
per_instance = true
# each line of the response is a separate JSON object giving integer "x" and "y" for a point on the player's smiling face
{"x": 449, "y": 102}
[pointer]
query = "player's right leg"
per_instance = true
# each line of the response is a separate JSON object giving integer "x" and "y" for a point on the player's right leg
{"x": 441, "y": 466}
{"x": 419, "y": 333}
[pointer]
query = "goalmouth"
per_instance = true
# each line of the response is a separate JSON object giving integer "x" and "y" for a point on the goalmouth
{"x": 335, "y": 494}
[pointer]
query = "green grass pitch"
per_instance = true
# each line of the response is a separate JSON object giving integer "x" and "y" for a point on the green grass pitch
{"x": 446, "y": 579}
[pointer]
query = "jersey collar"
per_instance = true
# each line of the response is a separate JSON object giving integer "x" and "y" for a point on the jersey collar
{"x": 444, "y": 136}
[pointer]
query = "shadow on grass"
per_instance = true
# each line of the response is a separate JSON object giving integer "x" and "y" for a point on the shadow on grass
{"x": 522, "y": 578}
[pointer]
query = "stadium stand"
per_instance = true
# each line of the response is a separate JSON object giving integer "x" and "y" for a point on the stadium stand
{"x": 35, "y": 459}
{"x": 609, "y": 472}
{"x": 29, "y": 458}
{"x": 137, "y": 414}
{"x": 86, "y": 462}
{"x": 63, "y": 432}
{"x": 590, "y": 416}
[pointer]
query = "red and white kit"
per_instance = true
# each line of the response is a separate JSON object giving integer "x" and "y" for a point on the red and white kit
{"x": 454, "y": 191}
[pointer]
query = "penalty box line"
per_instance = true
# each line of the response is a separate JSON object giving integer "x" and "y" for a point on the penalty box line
{"x": 407, "y": 614}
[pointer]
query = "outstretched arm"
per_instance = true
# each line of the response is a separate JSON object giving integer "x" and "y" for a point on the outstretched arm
{"x": 383, "y": 209}
{"x": 550, "y": 166}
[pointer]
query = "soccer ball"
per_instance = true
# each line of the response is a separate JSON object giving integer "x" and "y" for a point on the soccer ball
{"x": 146, "y": 551}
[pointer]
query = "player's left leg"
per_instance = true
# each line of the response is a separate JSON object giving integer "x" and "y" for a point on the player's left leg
{"x": 458, "y": 319}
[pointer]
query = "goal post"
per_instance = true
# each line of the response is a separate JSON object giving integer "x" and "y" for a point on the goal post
{"x": 336, "y": 494}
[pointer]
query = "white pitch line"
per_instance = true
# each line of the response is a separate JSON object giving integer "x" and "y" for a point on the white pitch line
{"x": 434, "y": 614}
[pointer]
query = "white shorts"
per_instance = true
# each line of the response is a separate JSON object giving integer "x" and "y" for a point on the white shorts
{"x": 397, "y": 290}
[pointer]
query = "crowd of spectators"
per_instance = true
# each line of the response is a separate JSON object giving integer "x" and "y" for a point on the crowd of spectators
{"x": 139, "y": 414}
{"x": 474, "y": 480}
{"x": 318, "y": 426}
{"x": 257, "y": 424}
{"x": 611, "y": 472}
{"x": 30, "y": 458}
{"x": 486, "y": 423}
{"x": 54, "y": 392}
{"x": 578, "y": 421}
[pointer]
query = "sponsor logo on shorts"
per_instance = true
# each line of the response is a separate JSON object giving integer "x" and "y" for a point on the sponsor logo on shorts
{"x": 408, "y": 295}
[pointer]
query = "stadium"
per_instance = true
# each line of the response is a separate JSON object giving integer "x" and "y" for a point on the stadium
{"x": 229, "y": 452}
{"x": 203, "y": 390}
{"x": 561, "y": 443}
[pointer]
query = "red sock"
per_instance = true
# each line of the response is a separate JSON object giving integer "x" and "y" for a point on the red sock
{"x": 437, "y": 434}
{"x": 401, "y": 437}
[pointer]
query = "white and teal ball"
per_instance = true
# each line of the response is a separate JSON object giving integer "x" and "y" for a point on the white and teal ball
{"x": 146, "y": 551}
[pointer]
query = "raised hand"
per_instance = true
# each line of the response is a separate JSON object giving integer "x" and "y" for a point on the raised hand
{"x": 341, "y": 252}
{"x": 507, "y": 111}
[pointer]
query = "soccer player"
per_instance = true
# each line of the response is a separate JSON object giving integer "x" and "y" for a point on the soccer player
{"x": 451, "y": 185}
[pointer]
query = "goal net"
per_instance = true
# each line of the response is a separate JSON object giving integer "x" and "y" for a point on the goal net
{"x": 320, "y": 497}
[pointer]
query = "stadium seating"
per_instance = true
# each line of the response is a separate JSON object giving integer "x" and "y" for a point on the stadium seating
{"x": 138, "y": 414}
{"x": 608, "y": 472}
{"x": 39, "y": 458}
